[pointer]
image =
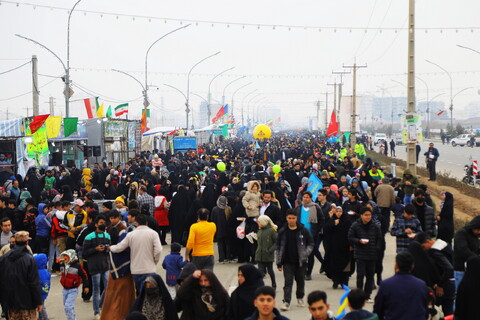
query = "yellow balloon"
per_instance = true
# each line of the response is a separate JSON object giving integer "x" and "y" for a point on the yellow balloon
{"x": 262, "y": 131}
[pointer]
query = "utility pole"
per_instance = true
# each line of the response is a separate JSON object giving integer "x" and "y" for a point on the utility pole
{"x": 51, "y": 102}
{"x": 335, "y": 109}
{"x": 411, "y": 146}
{"x": 36, "y": 92}
{"x": 340, "y": 86}
{"x": 353, "y": 130}
{"x": 318, "y": 115}
{"x": 7, "y": 114}
{"x": 326, "y": 111}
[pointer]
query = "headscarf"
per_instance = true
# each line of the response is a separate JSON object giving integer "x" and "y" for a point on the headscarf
{"x": 153, "y": 306}
{"x": 71, "y": 254}
{"x": 222, "y": 202}
{"x": 23, "y": 199}
{"x": 265, "y": 220}
{"x": 242, "y": 298}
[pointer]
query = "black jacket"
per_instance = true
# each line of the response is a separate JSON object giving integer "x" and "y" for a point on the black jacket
{"x": 304, "y": 244}
{"x": 369, "y": 231}
{"x": 98, "y": 261}
{"x": 19, "y": 280}
{"x": 466, "y": 244}
{"x": 274, "y": 213}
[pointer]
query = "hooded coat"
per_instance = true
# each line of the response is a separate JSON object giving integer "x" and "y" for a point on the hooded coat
{"x": 20, "y": 289}
{"x": 466, "y": 244}
{"x": 409, "y": 189}
{"x": 445, "y": 225}
{"x": 41, "y": 260}
{"x": 86, "y": 181}
{"x": 468, "y": 295}
{"x": 241, "y": 300}
{"x": 251, "y": 201}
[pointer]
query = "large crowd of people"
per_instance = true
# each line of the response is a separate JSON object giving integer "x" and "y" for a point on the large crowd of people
{"x": 102, "y": 228}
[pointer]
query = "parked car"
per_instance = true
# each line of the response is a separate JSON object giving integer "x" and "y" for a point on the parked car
{"x": 464, "y": 140}
{"x": 379, "y": 137}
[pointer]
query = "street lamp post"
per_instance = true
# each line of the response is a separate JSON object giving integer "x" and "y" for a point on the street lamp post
{"x": 243, "y": 100}
{"x": 225, "y": 88}
{"x": 451, "y": 90}
{"x": 248, "y": 106}
{"x": 146, "y": 103}
{"x": 66, "y": 67}
{"x": 187, "y": 98}
{"x": 144, "y": 90}
{"x": 209, "y": 112}
{"x": 233, "y": 95}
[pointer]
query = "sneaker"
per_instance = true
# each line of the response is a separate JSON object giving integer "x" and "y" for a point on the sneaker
{"x": 308, "y": 277}
{"x": 300, "y": 303}
{"x": 285, "y": 306}
{"x": 96, "y": 317}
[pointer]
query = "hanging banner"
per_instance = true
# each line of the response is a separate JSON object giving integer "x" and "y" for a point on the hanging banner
{"x": 53, "y": 126}
{"x": 115, "y": 128}
{"x": 39, "y": 144}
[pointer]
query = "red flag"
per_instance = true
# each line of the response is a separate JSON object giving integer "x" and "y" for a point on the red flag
{"x": 440, "y": 112}
{"x": 37, "y": 122}
{"x": 220, "y": 113}
{"x": 144, "y": 121}
{"x": 332, "y": 126}
{"x": 172, "y": 133}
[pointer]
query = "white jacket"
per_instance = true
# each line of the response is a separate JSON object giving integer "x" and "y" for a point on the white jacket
{"x": 145, "y": 249}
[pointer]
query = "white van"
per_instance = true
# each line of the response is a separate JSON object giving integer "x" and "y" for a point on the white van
{"x": 379, "y": 137}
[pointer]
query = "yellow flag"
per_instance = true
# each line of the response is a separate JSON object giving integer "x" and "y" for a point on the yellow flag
{"x": 100, "y": 112}
{"x": 53, "y": 126}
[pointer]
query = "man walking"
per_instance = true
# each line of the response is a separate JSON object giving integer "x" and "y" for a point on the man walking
{"x": 145, "y": 199}
{"x": 392, "y": 148}
{"x": 366, "y": 237}
{"x": 20, "y": 290}
{"x": 95, "y": 251}
{"x": 294, "y": 245}
{"x": 403, "y": 296}
{"x": 432, "y": 155}
{"x": 385, "y": 195}
{"x": 200, "y": 240}
{"x": 145, "y": 247}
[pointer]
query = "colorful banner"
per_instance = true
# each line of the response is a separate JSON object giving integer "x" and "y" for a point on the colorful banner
{"x": 53, "y": 127}
{"x": 39, "y": 144}
{"x": 69, "y": 126}
{"x": 314, "y": 184}
{"x": 115, "y": 128}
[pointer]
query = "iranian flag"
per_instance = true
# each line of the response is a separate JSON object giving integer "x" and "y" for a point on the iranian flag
{"x": 91, "y": 105}
{"x": 121, "y": 109}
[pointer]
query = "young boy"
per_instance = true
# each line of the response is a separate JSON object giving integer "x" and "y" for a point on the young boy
{"x": 173, "y": 263}
{"x": 398, "y": 208}
{"x": 45, "y": 277}
{"x": 405, "y": 228}
{"x": 73, "y": 275}
{"x": 356, "y": 302}
{"x": 265, "y": 304}
{"x": 318, "y": 306}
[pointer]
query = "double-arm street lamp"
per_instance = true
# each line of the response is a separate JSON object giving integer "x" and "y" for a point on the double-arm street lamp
{"x": 233, "y": 96}
{"x": 187, "y": 98}
{"x": 451, "y": 89}
{"x": 209, "y": 111}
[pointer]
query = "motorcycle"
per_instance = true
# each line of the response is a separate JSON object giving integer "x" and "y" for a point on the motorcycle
{"x": 468, "y": 178}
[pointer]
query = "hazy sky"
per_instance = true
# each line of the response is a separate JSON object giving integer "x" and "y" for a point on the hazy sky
{"x": 289, "y": 67}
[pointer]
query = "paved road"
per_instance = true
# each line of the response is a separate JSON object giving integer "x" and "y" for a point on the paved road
{"x": 227, "y": 274}
{"x": 452, "y": 159}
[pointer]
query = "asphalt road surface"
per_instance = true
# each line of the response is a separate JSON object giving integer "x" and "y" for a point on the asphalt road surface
{"x": 452, "y": 159}
{"x": 227, "y": 273}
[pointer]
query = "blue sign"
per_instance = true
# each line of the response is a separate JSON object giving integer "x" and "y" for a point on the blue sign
{"x": 314, "y": 184}
{"x": 184, "y": 143}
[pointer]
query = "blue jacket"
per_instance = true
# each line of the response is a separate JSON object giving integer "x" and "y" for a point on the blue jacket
{"x": 402, "y": 297}
{"x": 41, "y": 260}
{"x": 43, "y": 223}
{"x": 173, "y": 263}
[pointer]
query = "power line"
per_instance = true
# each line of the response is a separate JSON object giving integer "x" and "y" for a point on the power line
{"x": 368, "y": 25}
{"x": 29, "y": 92}
{"x": 229, "y": 24}
{"x": 24, "y": 64}
{"x": 104, "y": 97}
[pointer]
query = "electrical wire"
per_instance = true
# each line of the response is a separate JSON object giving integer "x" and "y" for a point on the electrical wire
{"x": 24, "y": 94}
{"x": 104, "y": 97}
{"x": 389, "y": 46}
{"x": 376, "y": 34}
{"x": 368, "y": 25}
{"x": 24, "y": 64}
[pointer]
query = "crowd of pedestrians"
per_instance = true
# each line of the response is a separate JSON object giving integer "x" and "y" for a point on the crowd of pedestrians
{"x": 103, "y": 229}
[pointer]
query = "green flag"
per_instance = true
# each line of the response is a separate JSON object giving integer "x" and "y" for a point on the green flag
{"x": 109, "y": 112}
{"x": 224, "y": 130}
{"x": 69, "y": 126}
